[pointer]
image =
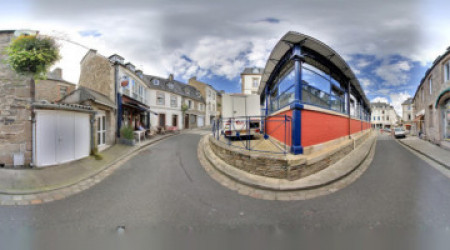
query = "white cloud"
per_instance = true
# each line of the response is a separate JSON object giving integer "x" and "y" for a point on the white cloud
{"x": 394, "y": 73}
{"x": 365, "y": 82}
{"x": 397, "y": 100}
{"x": 222, "y": 38}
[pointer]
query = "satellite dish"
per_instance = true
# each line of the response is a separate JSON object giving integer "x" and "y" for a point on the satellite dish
{"x": 25, "y": 32}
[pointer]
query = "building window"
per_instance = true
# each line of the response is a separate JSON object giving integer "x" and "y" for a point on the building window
{"x": 62, "y": 91}
{"x": 160, "y": 98}
{"x": 189, "y": 104}
{"x": 422, "y": 92}
{"x": 447, "y": 71}
{"x": 209, "y": 93}
{"x": 431, "y": 85}
{"x": 387, "y": 118}
{"x": 255, "y": 82}
{"x": 155, "y": 81}
{"x": 173, "y": 101}
{"x": 213, "y": 96}
{"x": 101, "y": 130}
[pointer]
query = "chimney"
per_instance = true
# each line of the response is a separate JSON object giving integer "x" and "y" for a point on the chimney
{"x": 57, "y": 73}
{"x": 171, "y": 77}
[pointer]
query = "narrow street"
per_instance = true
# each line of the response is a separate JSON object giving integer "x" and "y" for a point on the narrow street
{"x": 165, "y": 186}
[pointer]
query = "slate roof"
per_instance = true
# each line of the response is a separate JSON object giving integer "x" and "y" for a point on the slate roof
{"x": 178, "y": 88}
{"x": 381, "y": 105}
{"x": 253, "y": 70}
{"x": 86, "y": 94}
{"x": 408, "y": 101}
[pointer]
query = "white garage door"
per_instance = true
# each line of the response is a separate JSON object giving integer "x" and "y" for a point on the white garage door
{"x": 61, "y": 136}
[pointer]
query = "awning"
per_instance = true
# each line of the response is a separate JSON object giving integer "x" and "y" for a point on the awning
{"x": 440, "y": 96}
{"x": 418, "y": 118}
{"x": 420, "y": 113}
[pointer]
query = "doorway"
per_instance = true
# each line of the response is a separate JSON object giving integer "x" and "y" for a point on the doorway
{"x": 186, "y": 121}
{"x": 162, "y": 120}
{"x": 175, "y": 120}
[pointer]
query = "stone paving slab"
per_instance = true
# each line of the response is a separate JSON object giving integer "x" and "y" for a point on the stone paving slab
{"x": 47, "y": 189}
{"x": 431, "y": 151}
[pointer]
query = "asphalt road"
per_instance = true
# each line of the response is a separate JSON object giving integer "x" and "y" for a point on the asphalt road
{"x": 164, "y": 187}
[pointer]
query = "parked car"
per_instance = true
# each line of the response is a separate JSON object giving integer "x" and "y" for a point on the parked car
{"x": 399, "y": 133}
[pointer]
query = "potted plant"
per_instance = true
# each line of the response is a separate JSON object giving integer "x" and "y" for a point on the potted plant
{"x": 32, "y": 55}
{"x": 127, "y": 136}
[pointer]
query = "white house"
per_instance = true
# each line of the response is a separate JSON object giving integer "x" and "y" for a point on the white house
{"x": 383, "y": 115}
{"x": 250, "y": 79}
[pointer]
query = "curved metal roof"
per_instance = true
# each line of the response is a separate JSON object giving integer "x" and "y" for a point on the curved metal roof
{"x": 319, "y": 47}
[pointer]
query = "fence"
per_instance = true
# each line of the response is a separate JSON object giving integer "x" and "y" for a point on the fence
{"x": 255, "y": 133}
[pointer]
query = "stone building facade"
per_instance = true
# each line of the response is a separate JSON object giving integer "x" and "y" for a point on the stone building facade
{"x": 211, "y": 97}
{"x": 250, "y": 80}
{"x": 432, "y": 102}
{"x": 54, "y": 88}
{"x": 15, "y": 110}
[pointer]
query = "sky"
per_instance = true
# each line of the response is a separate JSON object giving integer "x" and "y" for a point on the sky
{"x": 388, "y": 44}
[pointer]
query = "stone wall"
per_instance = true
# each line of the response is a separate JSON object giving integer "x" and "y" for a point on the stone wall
{"x": 97, "y": 73}
{"x": 15, "y": 112}
{"x": 288, "y": 167}
{"x": 50, "y": 89}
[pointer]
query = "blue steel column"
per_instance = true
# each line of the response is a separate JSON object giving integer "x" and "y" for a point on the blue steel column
{"x": 296, "y": 106}
{"x": 266, "y": 91}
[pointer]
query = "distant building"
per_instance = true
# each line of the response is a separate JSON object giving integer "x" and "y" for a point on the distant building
{"x": 383, "y": 115}
{"x": 432, "y": 102}
{"x": 408, "y": 113}
{"x": 167, "y": 95}
{"x": 54, "y": 88}
{"x": 211, "y": 97}
{"x": 250, "y": 80}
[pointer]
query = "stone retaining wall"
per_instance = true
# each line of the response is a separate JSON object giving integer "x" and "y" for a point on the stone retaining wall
{"x": 288, "y": 167}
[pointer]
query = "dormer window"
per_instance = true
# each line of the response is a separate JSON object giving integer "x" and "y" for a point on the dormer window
{"x": 186, "y": 90}
{"x": 170, "y": 85}
{"x": 155, "y": 81}
{"x": 139, "y": 73}
{"x": 116, "y": 58}
{"x": 255, "y": 71}
{"x": 130, "y": 66}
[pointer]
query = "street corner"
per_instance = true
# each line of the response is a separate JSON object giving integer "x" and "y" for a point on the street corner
{"x": 324, "y": 182}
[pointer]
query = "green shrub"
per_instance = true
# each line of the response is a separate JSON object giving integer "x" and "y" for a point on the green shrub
{"x": 32, "y": 55}
{"x": 127, "y": 133}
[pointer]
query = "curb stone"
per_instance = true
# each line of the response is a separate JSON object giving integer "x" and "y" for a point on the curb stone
{"x": 286, "y": 195}
{"x": 62, "y": 192}
{"x": 424, "y": 154}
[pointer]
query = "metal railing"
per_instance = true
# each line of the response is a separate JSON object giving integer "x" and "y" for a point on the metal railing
{"x": 255, "y": 133}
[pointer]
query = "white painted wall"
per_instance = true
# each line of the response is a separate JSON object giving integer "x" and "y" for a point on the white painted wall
{"x": 248, "y": 84}
{"x": 164, "y": 109}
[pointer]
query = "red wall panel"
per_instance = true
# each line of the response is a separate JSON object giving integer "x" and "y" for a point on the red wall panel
{"x": 317, "y": 127}
{"x": 275, "y": 126}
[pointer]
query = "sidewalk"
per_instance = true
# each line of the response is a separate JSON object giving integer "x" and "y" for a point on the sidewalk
{"x": 39, "y": 180}
{"x": 428, "y": 149}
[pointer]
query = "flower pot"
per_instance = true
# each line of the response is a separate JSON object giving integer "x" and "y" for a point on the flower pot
{"x": 128, "y": 142}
